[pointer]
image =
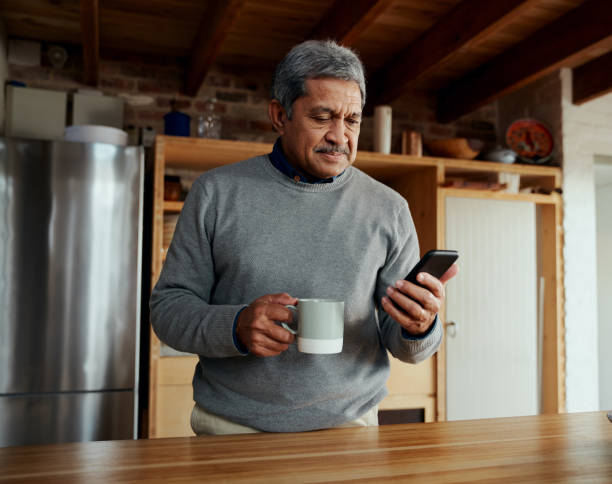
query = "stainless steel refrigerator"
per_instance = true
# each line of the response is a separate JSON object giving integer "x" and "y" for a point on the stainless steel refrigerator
{"x": 70, "y": 272}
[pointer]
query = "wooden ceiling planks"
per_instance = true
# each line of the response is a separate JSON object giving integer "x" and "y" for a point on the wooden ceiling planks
{"x": 265, "y": 31}
{"x": 464, "y": 60}
{"x": 465, "y": 25}
{"x": 42, "y": 20}
{"x": 186, "y": 11}
{"x": 395, "y": 28}
{"x": 544, "y": 51}
{"x": 150, "y": 29}
{"x": 592, "y": 79}
{"x": 217, "y": 22}
{"x": 347, "y": 19}
{"x": 90, "y": 35}
{"x": 396, "y": 39}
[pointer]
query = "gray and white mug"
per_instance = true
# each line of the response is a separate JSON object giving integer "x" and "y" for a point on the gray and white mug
{"x": 320, "y": 325}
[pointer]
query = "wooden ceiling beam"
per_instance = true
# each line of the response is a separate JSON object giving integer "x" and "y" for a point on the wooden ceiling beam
{"x": 470, "y": 22}
{"x": 592, "y": 79}
{"x": 90, "y": 38}
{"x": 347, "y": 19}
{"x": 562, "y": 42}
{"x": 217, "y": 22}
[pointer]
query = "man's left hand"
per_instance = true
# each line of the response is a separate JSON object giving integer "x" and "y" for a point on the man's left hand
{"x": 415, "y": 307}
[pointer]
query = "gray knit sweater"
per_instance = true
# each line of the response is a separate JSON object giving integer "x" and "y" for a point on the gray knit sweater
{"x": 247, "y": 230}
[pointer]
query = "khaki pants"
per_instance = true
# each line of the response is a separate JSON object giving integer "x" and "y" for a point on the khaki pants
{"x": 206, "y": 423}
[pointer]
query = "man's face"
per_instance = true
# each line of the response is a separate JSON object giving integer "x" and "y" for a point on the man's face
{"x": 321, "y": 138}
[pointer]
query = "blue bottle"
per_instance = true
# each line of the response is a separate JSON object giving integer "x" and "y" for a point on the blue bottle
{"x": 176, "y": 123}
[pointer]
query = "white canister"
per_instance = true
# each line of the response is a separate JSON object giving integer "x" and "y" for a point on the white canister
{"x": 95, "y": 134}
{"x": 382, "y": 129}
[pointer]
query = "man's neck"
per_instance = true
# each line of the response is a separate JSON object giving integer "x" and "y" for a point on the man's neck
{"x": 282, "y": 164}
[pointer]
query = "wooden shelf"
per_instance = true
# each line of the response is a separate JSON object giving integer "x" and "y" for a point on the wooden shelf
{"x": 172, "y": 206}
{"x": 553, "y": 198}
{"x": 201, "y": 154}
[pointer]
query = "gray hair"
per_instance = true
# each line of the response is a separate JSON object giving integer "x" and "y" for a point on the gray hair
{"x": 314, "y": 59}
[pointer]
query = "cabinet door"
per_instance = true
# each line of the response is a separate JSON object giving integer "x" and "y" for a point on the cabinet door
{"x": 491, "y": 353}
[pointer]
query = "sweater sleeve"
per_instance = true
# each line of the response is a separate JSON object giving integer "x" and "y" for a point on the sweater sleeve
{"x": 181, "y": 311}
{"x": 401, "y": 258}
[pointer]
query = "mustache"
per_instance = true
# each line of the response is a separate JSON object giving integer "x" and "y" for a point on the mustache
{"x": 332, "y": 149}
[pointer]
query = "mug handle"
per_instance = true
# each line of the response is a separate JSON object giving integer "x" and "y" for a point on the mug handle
{"x": 285, "y": 325}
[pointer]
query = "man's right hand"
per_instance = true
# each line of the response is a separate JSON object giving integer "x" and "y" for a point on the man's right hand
{"x": 257, "y": 329}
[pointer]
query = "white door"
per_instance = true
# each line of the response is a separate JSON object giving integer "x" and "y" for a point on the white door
{"x": 603, "y": 202}
{"x": 491, "y": 353}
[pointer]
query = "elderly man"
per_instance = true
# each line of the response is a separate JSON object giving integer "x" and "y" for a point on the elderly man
{"x": 300, "y": 222}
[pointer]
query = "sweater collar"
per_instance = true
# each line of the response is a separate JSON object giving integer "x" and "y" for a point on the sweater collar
{"x": 279, "y": 161}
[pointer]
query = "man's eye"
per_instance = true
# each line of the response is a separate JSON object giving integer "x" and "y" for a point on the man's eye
{"x": 321, "y": 119}
{"x": 352, "y": 121}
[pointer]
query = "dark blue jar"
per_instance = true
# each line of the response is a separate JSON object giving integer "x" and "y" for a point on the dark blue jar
{"x": 177, "y": 123}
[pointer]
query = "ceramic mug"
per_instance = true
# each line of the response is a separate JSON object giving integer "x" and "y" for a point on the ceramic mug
{"x": 320, "y": 325}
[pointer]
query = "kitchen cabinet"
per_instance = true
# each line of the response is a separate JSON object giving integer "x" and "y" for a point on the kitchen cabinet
{"x": 425, "y": 182}
{"x": 35, "y": 113}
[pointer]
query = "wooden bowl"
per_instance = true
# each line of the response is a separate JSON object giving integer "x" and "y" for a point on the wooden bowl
{"x": 462, "y": 148}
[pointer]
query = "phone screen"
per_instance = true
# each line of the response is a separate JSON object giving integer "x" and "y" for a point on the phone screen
{"x": 434, "y": 262}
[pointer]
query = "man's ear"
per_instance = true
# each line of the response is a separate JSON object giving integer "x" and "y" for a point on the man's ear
{"x": 278, "y": 116}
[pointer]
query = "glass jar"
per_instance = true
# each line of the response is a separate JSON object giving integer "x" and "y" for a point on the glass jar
{"x": 209, "y": 123}
{"x": 172, "y": 188}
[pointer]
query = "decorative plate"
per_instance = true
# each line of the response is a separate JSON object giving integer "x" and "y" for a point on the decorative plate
{"x": 531, "y": 140}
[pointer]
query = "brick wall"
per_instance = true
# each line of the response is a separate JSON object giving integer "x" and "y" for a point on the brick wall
{"x": 416, "y": 112}
{"x": 540, "y": 100}
{"x": 242, "y": 99}
{"x": 241, "y": 104}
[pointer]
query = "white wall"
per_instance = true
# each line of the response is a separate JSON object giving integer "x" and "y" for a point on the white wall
{"x": 586, "y": 132}
{"x": 603, "y": 202}
{"x": 3, "y": 73}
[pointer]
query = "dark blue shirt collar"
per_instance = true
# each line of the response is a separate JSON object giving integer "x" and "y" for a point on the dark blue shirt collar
{"x": 278, "y": 159}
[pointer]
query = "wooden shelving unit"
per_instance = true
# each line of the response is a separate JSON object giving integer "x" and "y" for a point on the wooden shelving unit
{"x": 421, "y": 180}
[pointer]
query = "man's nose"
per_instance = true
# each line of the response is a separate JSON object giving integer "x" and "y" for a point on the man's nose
{"x": 337, "y": 133}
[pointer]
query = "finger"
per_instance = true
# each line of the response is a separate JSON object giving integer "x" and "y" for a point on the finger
{"x": 413, "y": 327}
{"x": 270, "y": 312}
{"x": 264, "y": 345}
{"x": 277, "y": 312}
{"x": 282, "y": 298}
{"x": 430, "y": 283}
{"x": 396, "y": 314}
{"x": 279, "y": 334}
{"x": 263, "y": 337}
{"x": 450, "y": 273}
{"x": 264, "y": 323}
{"x": 413, "y": 309}
{"x": 423, "y": 296}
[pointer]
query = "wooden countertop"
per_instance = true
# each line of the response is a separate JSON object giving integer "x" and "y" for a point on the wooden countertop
{"x": 546, "y": 448}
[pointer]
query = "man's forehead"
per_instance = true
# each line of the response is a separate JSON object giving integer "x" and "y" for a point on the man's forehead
{"x": 332, "y": 94}
{"x": 351, "y": 88}
{"x": 322, "y": 108}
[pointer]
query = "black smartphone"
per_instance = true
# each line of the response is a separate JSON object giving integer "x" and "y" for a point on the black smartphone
{"x": 434, "y": 262}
